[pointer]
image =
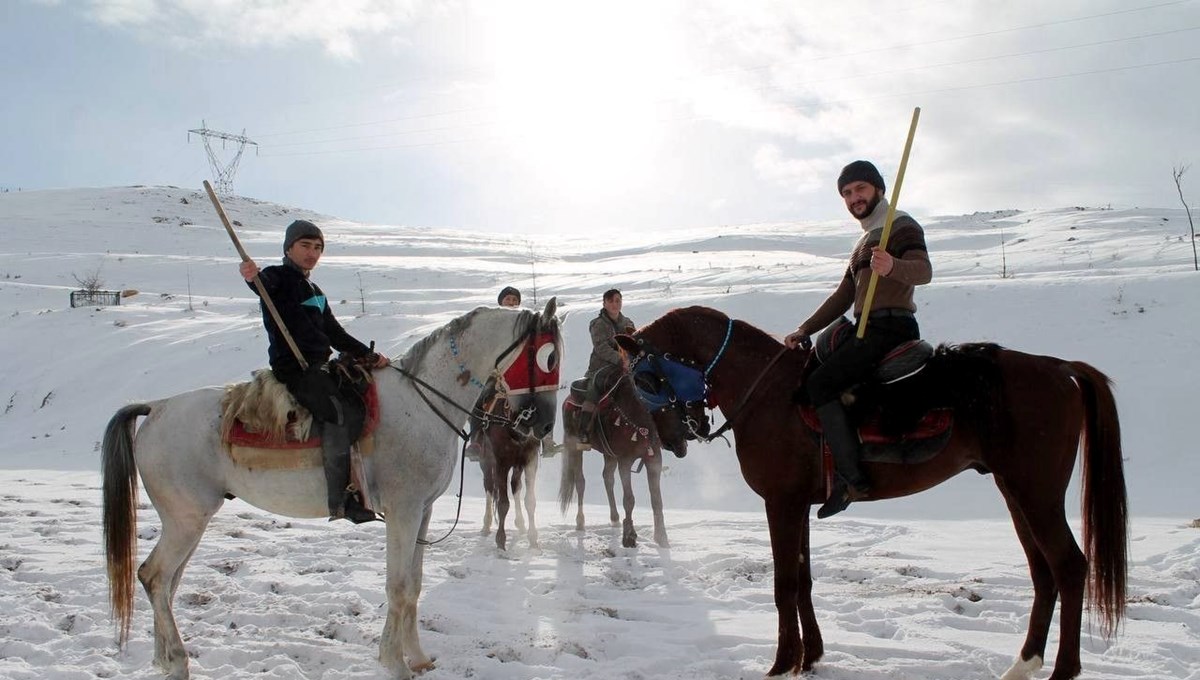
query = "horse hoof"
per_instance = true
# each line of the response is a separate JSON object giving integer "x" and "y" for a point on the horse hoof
{"x": 422, "y": 667}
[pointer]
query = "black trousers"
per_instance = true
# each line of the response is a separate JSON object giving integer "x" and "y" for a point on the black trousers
{"x": 318, "y": 391}
{"x": 854, "y": 361}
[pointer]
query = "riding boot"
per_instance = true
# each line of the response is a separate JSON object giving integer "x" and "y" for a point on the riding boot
{"x": 849, "y": 482}
{"x": 586, "y": 416}
{"x": 343, "y": 503}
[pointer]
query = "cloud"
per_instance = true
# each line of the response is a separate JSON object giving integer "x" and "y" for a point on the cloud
{"x": 337, "y": 26}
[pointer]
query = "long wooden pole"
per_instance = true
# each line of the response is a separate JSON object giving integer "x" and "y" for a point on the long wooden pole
{"x": 262, "y": 290}
{"x": 887, "y": 224}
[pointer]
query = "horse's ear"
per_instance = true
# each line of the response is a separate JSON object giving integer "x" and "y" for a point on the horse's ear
{"x": 551, "y": 308}
{"x": 629, "y": 344}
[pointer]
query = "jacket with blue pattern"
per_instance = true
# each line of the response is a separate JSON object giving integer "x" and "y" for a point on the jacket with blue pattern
{"x": 305, "y": 312}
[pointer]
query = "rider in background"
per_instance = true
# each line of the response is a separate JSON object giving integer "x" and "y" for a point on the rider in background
{"x": 509, "y": 297}
{"x": 901, "y": 267}
{"x": 606, "y": 357}
{"x": 305, "y": 312}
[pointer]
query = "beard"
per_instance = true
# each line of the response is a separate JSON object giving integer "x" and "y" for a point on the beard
{"x": 862, "y": 209}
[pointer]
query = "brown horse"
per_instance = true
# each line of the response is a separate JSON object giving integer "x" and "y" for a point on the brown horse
{"x": 1017, "y": 416}
{"x": 505, "y": 456}
{"x": 624, "y": 431}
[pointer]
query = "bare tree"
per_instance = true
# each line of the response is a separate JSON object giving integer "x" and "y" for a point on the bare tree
{"x": 533, "y": 271}
{"x": 362, "y": 294}
{"x": 90, "y": 281}
{"x": 1177, "y": 173}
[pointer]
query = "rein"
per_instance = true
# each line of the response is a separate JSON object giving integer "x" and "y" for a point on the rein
{"x": 737, "y": 409}
{"x": 462, "y": 461}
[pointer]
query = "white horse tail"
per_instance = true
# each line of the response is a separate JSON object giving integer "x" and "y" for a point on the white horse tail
{"x": 119, "y": 473}
{"x": 572, "y": 470}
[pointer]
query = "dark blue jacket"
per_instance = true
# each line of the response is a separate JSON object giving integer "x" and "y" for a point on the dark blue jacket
{"x": 305, "y": 311}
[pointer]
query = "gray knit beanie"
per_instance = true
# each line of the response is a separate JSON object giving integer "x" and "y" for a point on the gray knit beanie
{"x": 301, "y": 229}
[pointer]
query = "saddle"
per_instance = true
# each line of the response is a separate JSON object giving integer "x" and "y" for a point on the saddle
{"x": 264, "y": 427}
{"x": 573, "y": 408}
{"x": 901, "y": 436}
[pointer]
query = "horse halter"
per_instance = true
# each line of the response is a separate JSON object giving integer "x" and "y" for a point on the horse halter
{"x": 664, "y": 381}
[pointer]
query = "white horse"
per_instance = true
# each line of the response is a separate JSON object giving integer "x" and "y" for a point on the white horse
{"x": 187, "y": 473}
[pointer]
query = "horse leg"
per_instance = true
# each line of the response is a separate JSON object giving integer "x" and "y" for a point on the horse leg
{"x": 654, "y": 480}
{"x": 609, "y": 474}
{"x": 405, "y": 559}
{"x": 814, "y": 644}
{"x": 531, "y": 471}
{"x": 517, "y": 481}
{"x": 784, "y": 524}
{"x": 160, "y": 575}
{"x": 1045, "y": 594}
{"x": 1061, "y": 556}
{"x": 489, "y": 507}
{"x": 502, "y": 504}
{"x": 488, "y": 468}
{"x": 628, "y": 533}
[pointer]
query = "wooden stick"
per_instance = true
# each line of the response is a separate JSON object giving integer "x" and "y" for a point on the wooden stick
{"x": 887, "y": 224}
{"x": 262, "y": 290}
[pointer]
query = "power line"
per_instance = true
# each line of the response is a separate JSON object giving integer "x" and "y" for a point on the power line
{"x": 223, "y": 173}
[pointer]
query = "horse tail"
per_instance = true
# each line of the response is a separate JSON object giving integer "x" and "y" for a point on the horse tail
{"x": 119, "y": 473}
{"x": 1105, "y": 512}
{"x": 572, "y": 469}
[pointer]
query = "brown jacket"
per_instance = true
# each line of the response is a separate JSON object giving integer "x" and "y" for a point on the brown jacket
{"x": 604, "y": 331}
{"x": 895, "y": 291}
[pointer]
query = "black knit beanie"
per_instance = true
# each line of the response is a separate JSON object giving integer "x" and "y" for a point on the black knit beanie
{"x": 860, "y": 171}
{"x": 505, "y": 292}
{"x": 301, "y": 229}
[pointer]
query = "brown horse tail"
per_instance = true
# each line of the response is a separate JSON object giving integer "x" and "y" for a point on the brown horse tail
{"x": 1105, "y": 513}
{"x": 119, "y": 473}
{"x": 572, "y": 468}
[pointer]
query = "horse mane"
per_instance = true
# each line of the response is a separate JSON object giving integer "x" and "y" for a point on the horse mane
{"x": 262, "y": 405}
{"x": 416, "y": 354}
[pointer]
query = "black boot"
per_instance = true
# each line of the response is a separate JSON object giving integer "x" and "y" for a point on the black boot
{"x": 343, "y": 502}
{"x": 849, "y": 482}
{"x": 585, "y": 426}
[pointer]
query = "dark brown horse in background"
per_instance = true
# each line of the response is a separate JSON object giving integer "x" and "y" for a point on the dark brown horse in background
{"x": 508, "y": 459}
{"x": 1017, "y": 416}
{"x": 624, "y": 432}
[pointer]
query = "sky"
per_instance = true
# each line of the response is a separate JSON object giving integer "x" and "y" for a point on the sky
{"x": 929, "y": 587}
{"x": 573, "y": 118}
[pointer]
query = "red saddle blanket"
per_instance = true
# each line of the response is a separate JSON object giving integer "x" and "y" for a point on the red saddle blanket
{"x": 935, "y": 422}
{"x": 240, "y": 436}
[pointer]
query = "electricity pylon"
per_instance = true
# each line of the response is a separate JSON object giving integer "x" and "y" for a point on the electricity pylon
{"x": 222, "y": 172}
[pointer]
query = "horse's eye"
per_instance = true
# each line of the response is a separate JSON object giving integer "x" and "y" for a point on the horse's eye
{"x": 547, "y": 357}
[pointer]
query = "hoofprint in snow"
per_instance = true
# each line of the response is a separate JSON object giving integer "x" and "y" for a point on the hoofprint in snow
{"x": 278, "y": 598}
{"x": 269, "y": 597}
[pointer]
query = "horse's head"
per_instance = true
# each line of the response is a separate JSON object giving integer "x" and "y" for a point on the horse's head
{"x": 673, "y": 391}
{"x": 527, "y": 373}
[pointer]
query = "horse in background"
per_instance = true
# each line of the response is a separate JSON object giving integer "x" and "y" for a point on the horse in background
{"x": 508, "y": 459}
{"x": 188, "y": 473}
{"x": 1021, "y": 418}
{"x": 625, "y": 433}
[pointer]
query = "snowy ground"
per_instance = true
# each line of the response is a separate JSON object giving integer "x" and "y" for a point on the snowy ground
{"x": 901, "y": 591}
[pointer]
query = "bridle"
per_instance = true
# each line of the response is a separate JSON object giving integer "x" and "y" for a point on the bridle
{"x": 667, "y": 369}
{"x": 529, "y": 338}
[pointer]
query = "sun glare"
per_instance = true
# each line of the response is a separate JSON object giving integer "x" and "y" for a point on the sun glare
{"x": 581, "y": 95}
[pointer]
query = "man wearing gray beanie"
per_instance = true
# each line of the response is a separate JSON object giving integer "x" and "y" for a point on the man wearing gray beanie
{"x": 305, "y": 312}
{"x": 901, "y": 267}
